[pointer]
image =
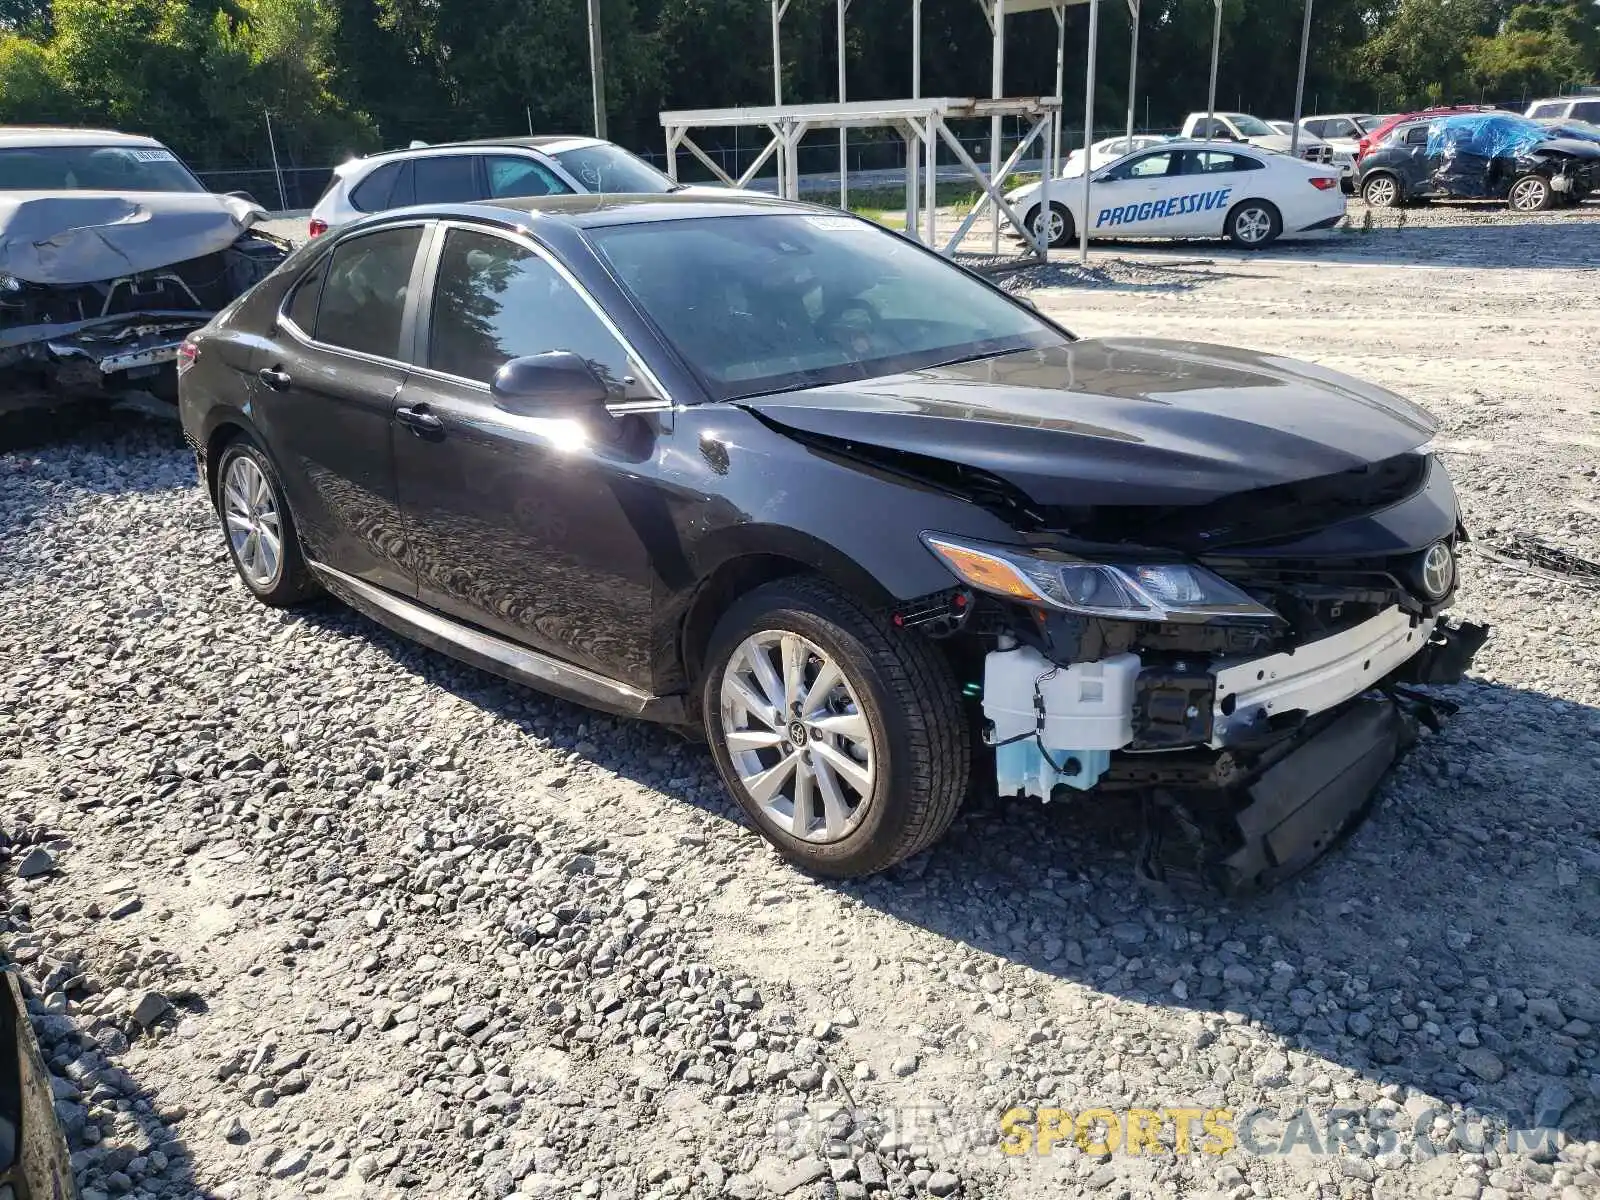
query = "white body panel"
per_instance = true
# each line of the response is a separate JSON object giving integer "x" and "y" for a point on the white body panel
{"x": 1139, "y": 197}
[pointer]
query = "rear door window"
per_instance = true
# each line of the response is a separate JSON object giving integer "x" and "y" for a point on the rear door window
{"x": 364, "y": 299}
{"x": 446, "y": 179}
{"x": 1417, "y": 135}
{"x": 514, "y": 175}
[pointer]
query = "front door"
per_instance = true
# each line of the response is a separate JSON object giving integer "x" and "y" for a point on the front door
{"x": 326, "y": 393}
{"x": 1137, "y": 197}
{"x": 1413, "y": 162}
{"x": 535, "y": 525}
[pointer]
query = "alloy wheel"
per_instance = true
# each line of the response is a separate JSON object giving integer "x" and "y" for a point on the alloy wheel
{"x": 798, "y": 737}
{"x": 255, "y": 526}
{"x": 1528, "y": 195}
{"x": 1381, "y": 192}
{"x": 1253, "y": 225}
{"x": 1049, "y": 225}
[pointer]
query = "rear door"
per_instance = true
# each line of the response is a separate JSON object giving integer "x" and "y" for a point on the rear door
{"x": 533, "y": 526}
{"x": 328, "y": 393}
{"x": 1209, "y": 185}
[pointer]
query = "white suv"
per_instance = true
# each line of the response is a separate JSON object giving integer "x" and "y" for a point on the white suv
{"x": 491, "y": 169}
{"x": 1566, "y": 108}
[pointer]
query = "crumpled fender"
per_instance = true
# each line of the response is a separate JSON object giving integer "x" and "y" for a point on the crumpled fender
{"x": 71, "y": 238}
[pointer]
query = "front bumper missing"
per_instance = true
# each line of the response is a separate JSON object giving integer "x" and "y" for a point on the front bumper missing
{"x": 1260, "y": 765}
{"x": 1302, "y": 804}
{"x": 1315, "y": 677}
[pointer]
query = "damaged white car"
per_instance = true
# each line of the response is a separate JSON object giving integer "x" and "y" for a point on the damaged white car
{"x": 111, "y": 253}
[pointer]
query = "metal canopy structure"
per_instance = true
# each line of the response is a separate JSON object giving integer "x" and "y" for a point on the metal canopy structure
{"x": 921, "y": 122}
{"x": 922, "y": 126}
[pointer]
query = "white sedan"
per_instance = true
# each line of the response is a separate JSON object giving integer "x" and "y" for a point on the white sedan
{"x": 1190, "y": 190}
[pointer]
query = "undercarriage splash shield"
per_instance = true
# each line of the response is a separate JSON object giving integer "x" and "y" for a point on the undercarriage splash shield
{"x": 1307, "y": 800}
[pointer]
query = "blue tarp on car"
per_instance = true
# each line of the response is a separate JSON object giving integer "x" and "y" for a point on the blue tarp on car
{"x": 1486, "y": 135}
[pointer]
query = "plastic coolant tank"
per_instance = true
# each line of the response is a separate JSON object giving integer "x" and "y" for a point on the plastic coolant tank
{"x": 1088, "y": 712}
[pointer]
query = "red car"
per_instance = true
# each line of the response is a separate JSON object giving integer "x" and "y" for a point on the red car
{"x": 1376, "y": 136}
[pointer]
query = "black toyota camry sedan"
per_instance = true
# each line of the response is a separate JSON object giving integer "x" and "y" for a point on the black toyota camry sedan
{"x": 879, "y": 531}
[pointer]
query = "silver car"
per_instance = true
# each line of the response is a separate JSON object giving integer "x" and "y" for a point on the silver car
{"x": 492, "y": 169}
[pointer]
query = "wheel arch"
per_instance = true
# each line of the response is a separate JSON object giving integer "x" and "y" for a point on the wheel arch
{"x": 750, "y": 557}
{"x": 222, "y": 427}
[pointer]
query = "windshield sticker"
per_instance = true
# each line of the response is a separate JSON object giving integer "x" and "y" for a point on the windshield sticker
{"x": 836, "y": 224}
{"x": 155, "y": 156}
{"x": 1152, "y": 210}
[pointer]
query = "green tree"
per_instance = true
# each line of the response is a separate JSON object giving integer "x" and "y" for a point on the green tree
{"x": 1419, "y": 55}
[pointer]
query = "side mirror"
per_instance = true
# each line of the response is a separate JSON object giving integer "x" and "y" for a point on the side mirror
{"x": 559, "y": 379}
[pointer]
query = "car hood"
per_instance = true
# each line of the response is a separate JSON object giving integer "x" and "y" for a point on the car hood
{"x": 1117, "y": 421}
{"x": 68, "y": 238}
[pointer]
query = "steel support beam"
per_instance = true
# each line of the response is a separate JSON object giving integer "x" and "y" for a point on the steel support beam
{"x": 1088, "y": 126}
{"x": 1300, "y": 82}
{"x": 597, "y": 69}
{"x": 1133, "y": 64}
{"x": 1211, "y": 92}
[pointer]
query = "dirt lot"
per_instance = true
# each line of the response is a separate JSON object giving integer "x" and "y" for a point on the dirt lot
{"x": 413, "y": 931}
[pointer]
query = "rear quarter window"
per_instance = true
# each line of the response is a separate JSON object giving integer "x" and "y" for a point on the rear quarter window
{"x": 372, "y": 193}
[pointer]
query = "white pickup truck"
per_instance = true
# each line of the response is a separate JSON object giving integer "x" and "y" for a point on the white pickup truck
{"x": 1242, "y": 127}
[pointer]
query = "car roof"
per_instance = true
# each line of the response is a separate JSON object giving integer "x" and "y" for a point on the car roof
{"x": 595, "y": 210}
{"x": 547, "y": 142}
{"x": 27, "y": 136}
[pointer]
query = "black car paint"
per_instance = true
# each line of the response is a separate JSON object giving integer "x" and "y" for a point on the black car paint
{"x": 602, "y": 556}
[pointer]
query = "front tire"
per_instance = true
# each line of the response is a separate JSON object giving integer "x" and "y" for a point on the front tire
{"x": 255, "y": 516}
{"x": 841, "y": 737}
{"x": 1254, "y": 224}
{"x": 1530, "y": 193}
{"x": 1059, "y": 231}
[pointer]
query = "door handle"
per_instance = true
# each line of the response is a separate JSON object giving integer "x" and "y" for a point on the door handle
{"x": 420, "y": 421}
{"x": 278, "y": 381}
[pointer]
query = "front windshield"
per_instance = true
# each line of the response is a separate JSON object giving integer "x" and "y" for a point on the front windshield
{"x": 607, "y": 168}
{"x": 775, "y": 302}
{"x": 94, "y": 168}
{"x": 1251, "y": 126}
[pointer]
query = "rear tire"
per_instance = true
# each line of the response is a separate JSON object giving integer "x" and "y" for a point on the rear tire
{"x": 1061, "y": 231}
{"x": 1381, "y": 190}
{"x": 1530, "y": 193}
{"x": 1253, "y": 224}
{"x": 852, "y": 780}
{"x": 260, "y": 530}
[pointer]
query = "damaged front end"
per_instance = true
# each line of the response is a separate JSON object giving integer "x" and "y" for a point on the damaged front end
{"x": 1251, "y": 682}
{"x": 67, "y": 332}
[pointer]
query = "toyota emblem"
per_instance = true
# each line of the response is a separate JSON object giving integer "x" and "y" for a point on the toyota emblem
{"x": 1438, "y": 571}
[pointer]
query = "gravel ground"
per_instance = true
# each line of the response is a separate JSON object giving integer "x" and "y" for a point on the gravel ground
{"x": 308, "y": 910}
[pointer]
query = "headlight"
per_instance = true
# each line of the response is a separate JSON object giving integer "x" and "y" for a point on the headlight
{"x": 1128, "y": 591}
